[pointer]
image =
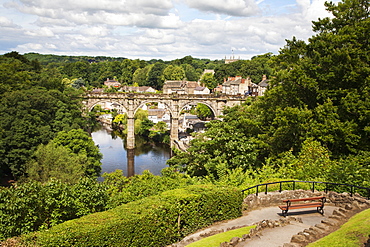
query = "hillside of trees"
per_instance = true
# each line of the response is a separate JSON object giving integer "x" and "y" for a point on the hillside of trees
{"x": 93, "y": 71}
{"x": 312, "y": 124}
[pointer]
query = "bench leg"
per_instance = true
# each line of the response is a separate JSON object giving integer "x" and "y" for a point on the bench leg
{"x": 320, "y": 210}
{"x": 284, "y": 212}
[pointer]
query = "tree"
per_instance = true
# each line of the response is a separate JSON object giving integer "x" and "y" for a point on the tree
{"x": 203, "y": 111}
{"x": 209, "y": 81}
{"x": 141, "y": 75}
{"x": 80, "y": 143}
{"x": 174, "y": 73}
{"x": 190, "y": 73}
{"x": 329, "y": 76}
{"x": 155, "y": 77}
{"x": 56, "y": 162}
{"x": 228, "y": 144}
{"x": 30, "y": 118}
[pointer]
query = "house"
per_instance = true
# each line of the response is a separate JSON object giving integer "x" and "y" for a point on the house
{"x": 201, "y": 90}
{"x": 146, "y": 89}
{"x": 236, "y": 85}
{"x": 262, "y": 86}
{"x": 199, "y": 126}
{"x": 112, "y": 83}
{"x": 142, "y": 89}
{"x": 188, "y": 120}
{"x": 190, "y": 86}
{"x": 158, "y": 115}
{"x": 252, "y": 90}
{"x": 173, "y": 87}
{"x": 218, "y": 89}
{"x": 180, "y": 87}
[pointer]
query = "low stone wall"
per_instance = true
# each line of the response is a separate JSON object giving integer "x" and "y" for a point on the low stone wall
{"x": 275, "y": 198}
{"x": 348, "y": 206}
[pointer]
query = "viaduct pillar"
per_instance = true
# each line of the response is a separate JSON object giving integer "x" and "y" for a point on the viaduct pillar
{"x": 174, "y": 131}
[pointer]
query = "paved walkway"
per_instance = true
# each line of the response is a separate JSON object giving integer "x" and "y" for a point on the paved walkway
{"x": 270, "y": 237}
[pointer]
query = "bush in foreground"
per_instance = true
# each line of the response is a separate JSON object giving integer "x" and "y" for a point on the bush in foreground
{"x": 154, "y": 221}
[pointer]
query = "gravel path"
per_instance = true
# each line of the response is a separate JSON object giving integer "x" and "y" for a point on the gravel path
{"x": 273, "y": 237}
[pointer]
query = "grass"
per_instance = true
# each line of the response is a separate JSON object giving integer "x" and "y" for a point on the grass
{"x": 216, "y": 240}
{"x": 353, "y": 233}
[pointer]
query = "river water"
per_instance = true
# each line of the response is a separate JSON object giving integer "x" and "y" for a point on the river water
{"x": 145, "y": 156}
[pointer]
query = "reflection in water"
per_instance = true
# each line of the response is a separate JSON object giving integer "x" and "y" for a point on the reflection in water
{"x": 130, "y": 162}
{"x": 145, "y": 156}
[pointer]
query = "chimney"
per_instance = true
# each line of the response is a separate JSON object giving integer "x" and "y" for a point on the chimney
{"x": 264, "y": 77}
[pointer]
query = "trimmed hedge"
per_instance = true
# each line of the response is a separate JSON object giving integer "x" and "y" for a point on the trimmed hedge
{"x": 154, "y": 221}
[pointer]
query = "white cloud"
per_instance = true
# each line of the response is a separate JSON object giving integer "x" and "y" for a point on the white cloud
{"x": 227, "y": 7}
{"x": 5, "y": 22}
{"x": 42, "y": 32}
{"x": 146, "y": 29}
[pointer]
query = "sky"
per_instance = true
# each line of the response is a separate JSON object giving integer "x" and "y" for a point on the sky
{"x": 156, "y": 29}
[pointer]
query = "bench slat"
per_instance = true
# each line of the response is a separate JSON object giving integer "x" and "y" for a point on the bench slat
{"x": 307, "y": 205}
{"x": 305, "y": 199}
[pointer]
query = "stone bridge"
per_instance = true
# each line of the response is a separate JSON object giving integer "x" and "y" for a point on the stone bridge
{"x": 131, "y": 102}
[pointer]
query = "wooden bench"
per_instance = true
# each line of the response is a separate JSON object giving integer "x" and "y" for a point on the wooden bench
{"x": 318, "y": 202}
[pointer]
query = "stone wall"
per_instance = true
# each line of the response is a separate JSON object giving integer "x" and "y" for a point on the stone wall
{"x": 275, "y": 198}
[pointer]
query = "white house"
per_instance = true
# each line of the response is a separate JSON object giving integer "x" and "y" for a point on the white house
{"x": 201, "y": 90}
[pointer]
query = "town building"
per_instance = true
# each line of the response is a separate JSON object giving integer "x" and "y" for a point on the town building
{"x": 112, "y": 83}
{"x": 236, "y": 85}
{"x": 262, "y": 86}
{"x": 201, "y": 90}
{"x": 142, "y": 89}
{"x": 181, "y": 87}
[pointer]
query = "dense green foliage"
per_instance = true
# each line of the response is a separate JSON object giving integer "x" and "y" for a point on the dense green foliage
{"x": 34, "y": 106}
{"x": 93, "y": 71}
{"x": 123, "y": 190}
{"x": 152, "y": 221}
{"x": 31, "y": 206}
{"x": 312, "y": 123}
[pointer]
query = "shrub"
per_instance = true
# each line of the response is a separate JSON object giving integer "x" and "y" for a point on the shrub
{"x": 153, "y": 221}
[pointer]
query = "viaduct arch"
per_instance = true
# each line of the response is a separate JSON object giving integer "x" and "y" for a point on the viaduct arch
{"x": 131, "y": 102}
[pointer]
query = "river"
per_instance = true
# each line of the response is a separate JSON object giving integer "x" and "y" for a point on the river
{"x": 146, "y": 156}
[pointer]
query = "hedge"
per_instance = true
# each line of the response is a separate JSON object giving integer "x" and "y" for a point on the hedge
{"x": 154, "y": 221}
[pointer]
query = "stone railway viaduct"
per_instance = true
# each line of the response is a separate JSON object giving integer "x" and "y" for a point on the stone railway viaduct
{"x": 131, "y": 102}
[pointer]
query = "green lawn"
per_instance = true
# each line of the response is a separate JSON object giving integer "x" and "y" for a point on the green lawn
{"x": 354, "y": 233}
{"x": 216, "y": 240}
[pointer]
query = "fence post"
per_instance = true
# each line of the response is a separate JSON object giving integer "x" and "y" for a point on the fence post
{"x": 293, "y": 185}
{"x": 313, "y": 187}
{"x": 280, "y": 187}
{"x": 257, "y": 190}
{"x": 351, "y": 190}
{"x": 266, "y": 190}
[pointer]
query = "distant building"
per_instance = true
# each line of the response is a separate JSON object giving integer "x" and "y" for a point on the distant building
{"x": 173, "y": 87}
{"x": 142, "y": 89}
{"x": 262, "y": 86}
{"x": 112, "y": 83}
{"x": 236, "y": 85}
{"x": 231, "y": 60}
{"x": 158, "y": 115}
{"x": 218, "y": 89}
{"x": 201, "y": 90}
{"x": 180, "y": 87}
